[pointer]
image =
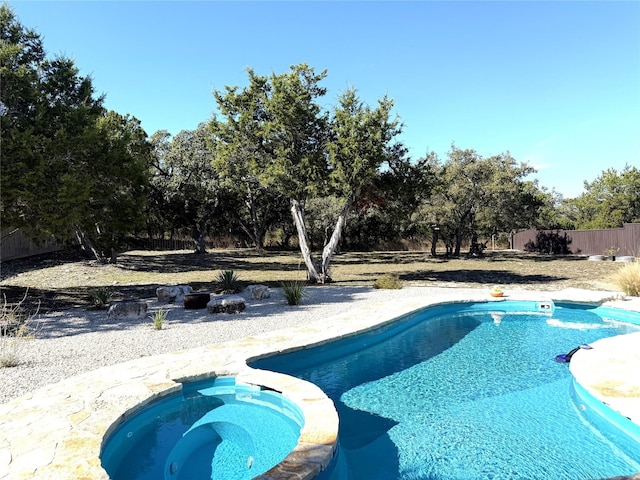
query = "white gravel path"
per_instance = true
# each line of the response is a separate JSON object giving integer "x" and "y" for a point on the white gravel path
{"x": 75, "y": 341}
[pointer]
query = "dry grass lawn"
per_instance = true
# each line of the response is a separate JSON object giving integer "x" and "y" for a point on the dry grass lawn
{"x": 61, "y": 282}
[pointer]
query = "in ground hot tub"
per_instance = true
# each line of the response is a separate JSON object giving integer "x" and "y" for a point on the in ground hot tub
{"x": 215, "y": 429}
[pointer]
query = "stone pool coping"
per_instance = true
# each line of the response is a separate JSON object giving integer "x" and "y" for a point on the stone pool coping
{"x": 56, "y": 432}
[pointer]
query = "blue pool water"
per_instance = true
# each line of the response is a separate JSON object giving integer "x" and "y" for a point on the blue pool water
{"x": 214, "y": 429}
{"x": 469, "y": 391}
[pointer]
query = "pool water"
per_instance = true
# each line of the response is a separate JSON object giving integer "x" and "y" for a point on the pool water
{"x": 468, "y": 391}
{"x": 215, "y": 429}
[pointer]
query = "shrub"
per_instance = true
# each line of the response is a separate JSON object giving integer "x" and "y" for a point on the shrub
{"x": 227, "y": 282}
{"x": 628, "y": 279}
{"x": 549, "y": 243}
{"x": 100, "y": 298}
{"x": 388, "y": 281}
{"x": 15, "y": 330}
{"x": 294, "y": 291}
{"x": 159, "y": 316}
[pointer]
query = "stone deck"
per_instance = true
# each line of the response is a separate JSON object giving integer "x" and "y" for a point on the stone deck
{"x": 56, "y": 432}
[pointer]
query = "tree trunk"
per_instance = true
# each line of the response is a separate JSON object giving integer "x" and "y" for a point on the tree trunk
{"x": 250, "y": 233}
{"x": 87, "y": 245}
{"x": 200, "y": 231}
{"x": 286, "y": 239}
{"x": 257, "y": 231}
{"x": 434, "y": 242}
{"x": 298, "y": 220}
{"x": 331, "y": 246}
{"x": 456, "y": 252}
{"x": 114, "y": 253}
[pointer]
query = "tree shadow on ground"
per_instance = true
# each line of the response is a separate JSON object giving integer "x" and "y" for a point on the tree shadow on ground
{"x": 408, "y": 257}
{"x": 48, "y": 300}
{"x": 163, "y": 262}
{"x": 248, "y": 261}
{"x": 532, "y": 257}
{"x": 480, "y": 277}
{"x": 189, "y": 262}
{"x": 15, "y": 267}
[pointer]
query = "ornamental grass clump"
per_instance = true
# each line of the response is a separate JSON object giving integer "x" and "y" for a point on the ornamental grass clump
{"x": 294, "y": 291}
{"x": 227, "y": 282}
{"x": 388, "y": 281}
{"x": 159, "y": 316}
{"x": 16, "y": 328}
{"x": 628, "y": 279}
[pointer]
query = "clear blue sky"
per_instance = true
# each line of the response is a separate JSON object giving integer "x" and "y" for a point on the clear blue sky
{"x": 555, "y": 83}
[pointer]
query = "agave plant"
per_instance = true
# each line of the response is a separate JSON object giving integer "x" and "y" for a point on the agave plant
{"x": 227, "y": 282}
{"x": 294, "y": 291}
{"x": 100, "y": 297}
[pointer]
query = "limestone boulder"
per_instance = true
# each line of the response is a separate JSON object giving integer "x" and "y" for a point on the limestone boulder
{"x": 226, "y": 304}
{"x": 173, "y": 293}
{"x": 258, "y": 292}
{"x": 128, "y": 310}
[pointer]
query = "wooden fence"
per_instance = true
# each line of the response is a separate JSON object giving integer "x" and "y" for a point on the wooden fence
{"x": 173, "y": 244}
{"x": 14, "y": 244}
{"x": 623, "y": 241}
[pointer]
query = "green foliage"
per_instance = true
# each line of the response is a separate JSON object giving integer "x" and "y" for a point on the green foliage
{"x": 557, "y": 212}
{"x": 100, "y": 297}
{"x": 185, "y": 187}
{"x": 402, "y": 188}
{"x": 294, "y": 291}
{"x": 69, "y": 168}
{"x": 240, "y": 140}
{"x": 227, "y": 282}
{"x": 159, "y": 316}
{"x": 388, "y": 281}
{"x": 361, "y": 141}
{"x": 296, "y": 132}
{"x": 72, "y": 169}
{"x": 16, "y": 328}
{"x": 628, "y": 279}
{"x": 321, "y": 213}
{"x": 479, "y": 196}
{"x": 610, "y": 201}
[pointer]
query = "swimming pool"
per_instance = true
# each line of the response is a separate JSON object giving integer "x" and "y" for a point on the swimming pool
{"x": 469, "y": 391}
{"x": 213, "y": 429}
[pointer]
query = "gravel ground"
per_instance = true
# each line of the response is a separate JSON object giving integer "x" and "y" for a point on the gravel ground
{"x": 76, "y": 341}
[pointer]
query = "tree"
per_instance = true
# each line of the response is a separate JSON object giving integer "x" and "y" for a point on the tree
{"x": 104, "y": 197}
{"x": 67, "y": 164}
{"x": 274, "y": 136}
{"x": 38, "y": 100}
{"x": 511, "y": 202}
{"x": 475, "y": 195}
{"x": 296, "y": 133}
{"x": 361, "y": 141}
{"x": 185, "y": 186}
{"x": 404, "y": 186}
{"x": 611, "y": 200}
{"x": 241, "y": 159}
{"x": 557, "y": 212}
{"x": 272, "y": 139}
